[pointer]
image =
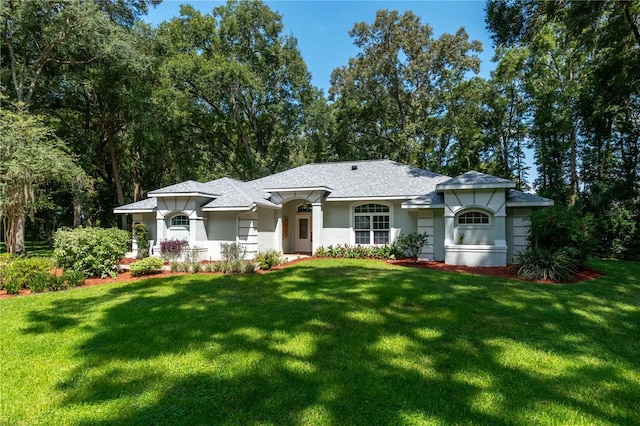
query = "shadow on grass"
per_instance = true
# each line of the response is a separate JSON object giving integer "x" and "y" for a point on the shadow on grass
{"x": 349, "y": 342}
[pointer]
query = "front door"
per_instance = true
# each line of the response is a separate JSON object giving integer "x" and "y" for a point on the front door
{"x": 303, "y": 233}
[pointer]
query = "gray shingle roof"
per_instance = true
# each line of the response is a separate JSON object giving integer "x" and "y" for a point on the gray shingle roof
{"x": 236, "y": 194}
{"x": 432, "y": 199}
{"x": 146, "y": 204}
{"x": 515, "y": 197}
{"x": 473, "y": 179}
{"x": 369, "y": 179}
{"x": 186, "y": 187}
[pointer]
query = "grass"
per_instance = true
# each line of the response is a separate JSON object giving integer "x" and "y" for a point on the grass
{"x": 33, "y": 248}
{"x": 326, "y": 342}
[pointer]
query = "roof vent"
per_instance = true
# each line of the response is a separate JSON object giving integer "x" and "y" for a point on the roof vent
{"x": 354, "y": 167}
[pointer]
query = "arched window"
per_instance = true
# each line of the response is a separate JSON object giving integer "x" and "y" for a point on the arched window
{"x": 304, "y": 208}
{"x": 180, "y": 220}
{"x": 371, "y": 224}
{"x": 473, "y": 218}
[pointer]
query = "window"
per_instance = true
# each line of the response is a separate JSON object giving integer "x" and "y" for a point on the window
{"x": 180, "y": 220}
{"x": 473, "y": 218}
{"x": 304, "y": 208}
{"x": 371, "y": 224}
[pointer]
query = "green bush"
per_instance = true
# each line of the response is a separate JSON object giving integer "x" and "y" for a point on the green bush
{"x": 146, "y": 266}
{"x": 358, "y": 251}
{"x": 94, "y": 251}
{"x": 73, "y": 278}
{"x": 412, "y": 244}
{"x": 42, "y": 281}
{"x": 233, "y": 252}
{"x": 23, "y": 273}
{"x": 248, "y": 267}
{"x": 269, "y": 259}
{"x": 537, "y": 263}
{"x": 142, "y": 233}
{"x": 555, "y": 228}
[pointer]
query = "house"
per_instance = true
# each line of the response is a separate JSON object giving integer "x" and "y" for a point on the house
{"x": 472, "y": 219}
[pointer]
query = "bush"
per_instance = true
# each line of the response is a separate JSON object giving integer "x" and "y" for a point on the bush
{"x": 269, "y": 259}
{"x": 412, "y": 244}
{"x": 41, "y": 281}
{"x": 23, "y": 273}
{"x": 142, "y": 233}
{"x": 146, "y": 266}
{"x": 94, "y": 251}
{"x": 233, "y": 252}
{"x": 537, "y": 263}
{"x": 73, "y": 278}
{"x": 555, "y": 228}
{"x": 358, "y": 251}
{"x": 248, "y": 267}
{"x": 171, "y": 250}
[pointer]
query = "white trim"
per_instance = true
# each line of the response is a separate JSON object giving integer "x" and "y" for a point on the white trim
{"x": 230, "y": 209}
{"x": 183, "y": 194}
{"x": 393, "y": 197}
{"x": 297, "y": 189}
{"x": 530, "y": 203}
{"x": 120, "y": 211}
{"x": 422, "y": 206}
{"x": 454, "y": 186}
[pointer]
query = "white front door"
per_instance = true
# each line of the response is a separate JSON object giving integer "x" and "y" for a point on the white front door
{"x": 303, "y": 233}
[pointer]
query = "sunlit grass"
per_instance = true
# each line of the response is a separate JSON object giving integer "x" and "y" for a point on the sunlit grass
{"x": 326, "y": 342}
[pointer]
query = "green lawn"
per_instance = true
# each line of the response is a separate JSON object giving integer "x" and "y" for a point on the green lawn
{"x": 34, "y": 248}
{"x": 326, "y": 342}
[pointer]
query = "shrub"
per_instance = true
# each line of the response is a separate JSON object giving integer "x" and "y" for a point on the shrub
{"x": 269, "y": 259}
{"x": 233, "y": 251}
{"x": 40, "y": 281}
{"x": 146, "y": 266}
{"x": 248, "y": 267}
{"x": 24, "y": 273}
{"x": 142, "y": 233}
{"x": 358, "y": 251}
{"x": 537, "y": 263}
{"x": 171, "y": 250}
{"x": 412, "y": 244}
{"x": 94, "y": 251}
{"x": 73, "y": 277}
{"x": 559, "y": 227}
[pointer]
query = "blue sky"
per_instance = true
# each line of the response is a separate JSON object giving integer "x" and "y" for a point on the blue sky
{"x": 322, "y": 27}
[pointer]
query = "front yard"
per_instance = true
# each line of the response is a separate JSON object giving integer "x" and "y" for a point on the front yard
{"x": 326, "y": 342}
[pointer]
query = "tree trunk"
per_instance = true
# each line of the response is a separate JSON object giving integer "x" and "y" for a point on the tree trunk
{"x": 14, "y": 232}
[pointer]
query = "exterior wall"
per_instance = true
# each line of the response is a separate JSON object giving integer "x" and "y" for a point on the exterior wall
{"x": 248, "y": 232}
{"x": 267, "y": 226}
{"x": 431, "y": 221}
{"x": 336, "y": 223}
{"x": 518, "y": 223}
{"x": 482, "y": 245}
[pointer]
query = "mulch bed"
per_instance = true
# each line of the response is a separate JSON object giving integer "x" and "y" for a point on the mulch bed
{"x": 504, "y": 272}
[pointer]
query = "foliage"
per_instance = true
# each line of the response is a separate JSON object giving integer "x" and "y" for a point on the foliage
{"x": 232, "y": 252}
{"x": 412, "y": 244}
{"x": 171, "y": 250}
{"x": 94, "y": 251}
{"x": 72, "y": 278}
{"x": 26, "y": 273}
{"x": 387, "y": 338}
{"x": 146, "y": 266}
{"x": 402, "y": 98}
{"x": 269, "y": 259}
{"x": 540, "y": 263}
{"x": 30, "y": 157}
{"x": 558, "y": 227}
{"x": 359, "y": 252}
{"x": 142, "y": 233}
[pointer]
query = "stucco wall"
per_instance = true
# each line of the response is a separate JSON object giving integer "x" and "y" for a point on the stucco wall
{"x": 518, "y": 222}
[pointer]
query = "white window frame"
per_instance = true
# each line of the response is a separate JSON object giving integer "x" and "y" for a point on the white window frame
{"x": 172, "y": 225}
{"x": 371, "y": 230}
{"x": 473, "y": 225}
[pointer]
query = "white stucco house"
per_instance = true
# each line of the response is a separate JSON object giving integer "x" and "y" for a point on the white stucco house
{"x": 472, "y": 219}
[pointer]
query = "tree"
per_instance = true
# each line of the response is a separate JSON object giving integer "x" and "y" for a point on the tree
{"x": 242, "y": 82}
{"x": 391, "y": 100}
{"x": 30, "y": 156}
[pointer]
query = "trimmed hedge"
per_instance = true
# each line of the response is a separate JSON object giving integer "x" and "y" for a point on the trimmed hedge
{"x": 146, "y": 266}
{"x": 93, "y": 251}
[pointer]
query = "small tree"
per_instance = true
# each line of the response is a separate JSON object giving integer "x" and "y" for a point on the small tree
{"x": 141, "y": 231}
{"x": 412, "y": 244}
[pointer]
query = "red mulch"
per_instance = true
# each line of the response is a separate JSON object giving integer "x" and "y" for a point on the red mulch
{"x": 504, "y": 272}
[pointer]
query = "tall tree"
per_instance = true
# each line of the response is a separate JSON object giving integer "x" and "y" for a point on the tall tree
{"x": 244, "y": 83}
{"x": 30, "y": 157}
{"x": 390, "y": 100}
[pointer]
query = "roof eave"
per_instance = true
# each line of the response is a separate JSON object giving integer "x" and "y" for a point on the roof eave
{"x": 182, "y": 194}
{"x": 370, "y": 198}
{"x": 547, "y": 203}
{"x": 126, "y": 211}
{"x": 506, "y": 185}
{"x": 301, "y": 188}
{"x": 422, "y": 206}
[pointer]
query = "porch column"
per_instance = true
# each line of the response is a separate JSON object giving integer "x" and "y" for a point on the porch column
{"x": 161, "y": 231}
{"x": 318, "y": 226}
{"x": 277, "y": 234}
